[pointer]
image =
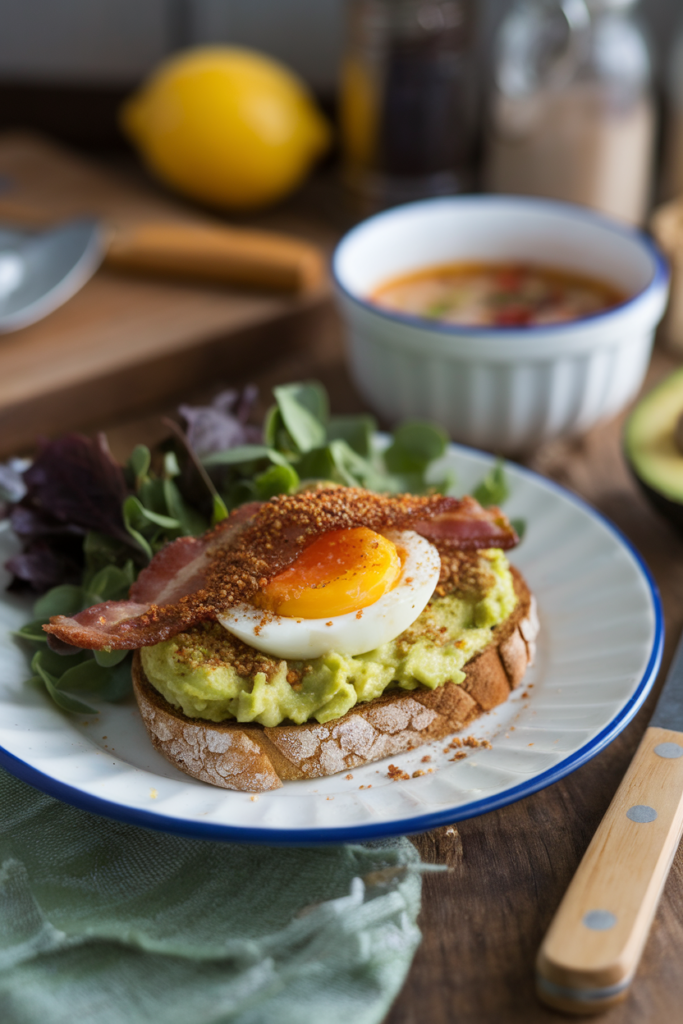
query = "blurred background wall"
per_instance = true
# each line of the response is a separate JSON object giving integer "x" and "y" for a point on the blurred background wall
{"x": 65, "y": 64}
{"x": 114, "y": 42}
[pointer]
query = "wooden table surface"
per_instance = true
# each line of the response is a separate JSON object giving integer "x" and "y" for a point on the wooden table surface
{"x": 482, "y": 922}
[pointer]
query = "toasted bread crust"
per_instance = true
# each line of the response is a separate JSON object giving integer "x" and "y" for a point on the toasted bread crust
{"x": 254, "y": 758}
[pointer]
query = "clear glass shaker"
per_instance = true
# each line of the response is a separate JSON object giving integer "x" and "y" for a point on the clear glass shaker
{"x": 572, "y": 114}
{"x": 672, "y": 184}
{"x": 407, "y": 101}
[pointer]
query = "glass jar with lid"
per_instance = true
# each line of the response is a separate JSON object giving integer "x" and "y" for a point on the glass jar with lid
{"x": 407, "y": 99}
{"x": 572, "y": 113}
{"x": 672, "y": 183}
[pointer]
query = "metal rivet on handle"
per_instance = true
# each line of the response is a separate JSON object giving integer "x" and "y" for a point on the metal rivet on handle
{"x": 669, "y": 750}
{"x": 599, "y": 920}
{"x": 641, "y": 813}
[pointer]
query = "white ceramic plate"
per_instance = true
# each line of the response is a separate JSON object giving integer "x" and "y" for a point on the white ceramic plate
{"x": 599, "y": 651}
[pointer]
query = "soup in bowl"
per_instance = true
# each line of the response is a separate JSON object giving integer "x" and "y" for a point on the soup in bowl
{"x": 545, "y": 325}
{"x": 496, "y": 295}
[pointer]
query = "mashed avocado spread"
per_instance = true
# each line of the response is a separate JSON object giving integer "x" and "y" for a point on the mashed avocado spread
{"x": 209, "y": 674}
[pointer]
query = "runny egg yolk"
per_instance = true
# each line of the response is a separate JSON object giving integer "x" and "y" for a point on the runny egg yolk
{"x": 342, "y": 571}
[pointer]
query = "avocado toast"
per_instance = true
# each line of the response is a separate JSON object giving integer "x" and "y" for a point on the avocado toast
{"x": 318, "y": 631}
{"x": 254, "y": 757}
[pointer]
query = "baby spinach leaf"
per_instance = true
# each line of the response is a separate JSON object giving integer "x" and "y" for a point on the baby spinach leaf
{"x": 519, "y": 526}
{"x": 272, "y": 423}
{"x": 310, "y": 394}
{"x": 107, "y": 659}
{"x": 220, "y": 511}
{"x": 276, "y": 480}
{"x": 299, "y": 406}
{"x": 111, "y": 583}
{"x": 118, "y": 683}
{"x": 56, "y": 664}
{"x": 66, "y": 599}
{"x": 146, "y": 526}
{"x": 83, "y": 672}
{"x": 151, "y": 495}
{"x": 351, "y": 468}
{"x": 139, "y": 461}
{"x": 171, "y": 465}
{"x": 415, "y": 445}
{"x": 192, "y": 522}
{"x": 238, "y": 493}
{"x": 155, "y": 518}
{"x": 245, "y": 453}
{"x": 62, "y": 700}
{"x": 317, "y": 464}
{"x": 131, "y": 518}
{"x": 87, "y": 675}
{"x": 445, "y": 484}
{"x": 493, "y": 489}
{"x": 405, "y": 483}
{"x": 32, "y": 632}
{"x": 357, "y": 431}
{"x": 101, "y": 551}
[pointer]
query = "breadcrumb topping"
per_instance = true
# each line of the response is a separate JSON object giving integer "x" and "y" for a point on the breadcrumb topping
{"x": 283, "y": 527}
{"x": 464, "y": 571}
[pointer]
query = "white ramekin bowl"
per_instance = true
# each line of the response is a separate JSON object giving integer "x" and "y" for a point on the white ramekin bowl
{"x": 502, "y": 388}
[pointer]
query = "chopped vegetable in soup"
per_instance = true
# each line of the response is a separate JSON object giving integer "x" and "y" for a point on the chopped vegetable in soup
{"x": 492, "y": 295}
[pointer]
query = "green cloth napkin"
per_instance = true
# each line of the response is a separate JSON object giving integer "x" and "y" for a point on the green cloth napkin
{"x": 111, "y": 924}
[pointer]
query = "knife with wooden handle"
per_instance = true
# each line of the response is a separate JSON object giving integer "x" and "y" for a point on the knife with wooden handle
{"x": 39, "y": 271}
{"x": 592, "y": 949}
{"x": 208, "y": 252}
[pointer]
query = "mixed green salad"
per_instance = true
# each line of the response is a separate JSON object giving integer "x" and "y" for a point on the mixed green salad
{"x": 88, "y": 525}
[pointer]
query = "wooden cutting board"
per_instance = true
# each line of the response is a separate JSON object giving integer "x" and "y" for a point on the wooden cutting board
{"x": 122, "y": 343}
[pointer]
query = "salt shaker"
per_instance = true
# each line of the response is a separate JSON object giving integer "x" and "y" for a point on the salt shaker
{"x": 672, "y": 184}
{"x": 572, "y": 114}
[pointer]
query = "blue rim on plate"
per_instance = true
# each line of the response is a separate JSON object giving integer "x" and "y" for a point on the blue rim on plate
{"x": 407, "y": 826}
{"x": 660, "y": 278}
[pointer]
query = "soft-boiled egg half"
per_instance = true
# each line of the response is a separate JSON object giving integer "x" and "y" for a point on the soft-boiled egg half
{"x": 350, "y": 591}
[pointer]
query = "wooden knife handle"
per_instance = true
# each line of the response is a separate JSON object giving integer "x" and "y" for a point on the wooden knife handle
{"x": 592, "y": 949}
{"x": 214, "y": 253}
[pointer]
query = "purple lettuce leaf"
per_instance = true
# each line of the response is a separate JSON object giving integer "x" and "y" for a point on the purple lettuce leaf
{"x": 213, "y": 428}
{"x": 75, "y": 481}
{"x": 73, "y": 487}
{"x": 30, "y": 523}
{"x": 223, "y": 424}
{"x": 42, "y": 565}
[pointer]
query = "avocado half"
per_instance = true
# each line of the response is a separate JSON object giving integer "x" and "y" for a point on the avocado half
{"x": 653, "y": 446}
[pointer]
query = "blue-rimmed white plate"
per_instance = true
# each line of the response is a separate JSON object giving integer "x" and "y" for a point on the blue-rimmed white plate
{"x": 598, "y": 653}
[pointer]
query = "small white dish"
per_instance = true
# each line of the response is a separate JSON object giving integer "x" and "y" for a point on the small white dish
{"x": 505, "y": 389}
{"x": 599, "y": 650}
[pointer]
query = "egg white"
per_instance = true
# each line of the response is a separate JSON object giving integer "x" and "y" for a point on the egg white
{"x": 301, "y": 639}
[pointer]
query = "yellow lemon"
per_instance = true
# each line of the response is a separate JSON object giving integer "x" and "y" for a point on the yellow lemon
{"x": 227, "y": 126}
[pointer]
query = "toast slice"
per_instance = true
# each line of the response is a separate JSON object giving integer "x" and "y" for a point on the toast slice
{"x": 255, "y": 758}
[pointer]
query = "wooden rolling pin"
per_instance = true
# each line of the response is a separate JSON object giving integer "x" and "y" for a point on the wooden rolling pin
{"x": 223, "y": 255}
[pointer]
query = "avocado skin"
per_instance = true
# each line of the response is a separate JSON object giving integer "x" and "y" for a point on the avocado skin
{"x": 672, "y": 510}
{"x": 650, "y": 448}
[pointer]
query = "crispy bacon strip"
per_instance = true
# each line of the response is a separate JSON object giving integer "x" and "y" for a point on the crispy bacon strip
{"x": 195, "y": 579}
{"x": 177, "y": 571}
{"x": 470, "y": 527}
